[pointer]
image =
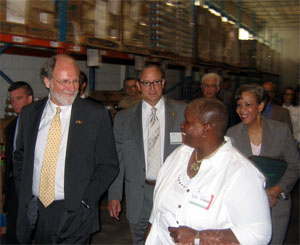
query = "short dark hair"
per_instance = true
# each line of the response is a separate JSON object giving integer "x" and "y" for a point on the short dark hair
{"x": 156, "y": 66}
{"x": 127, "y": 79}
{"x": 21, "y": 84}
{"x": 211, "y": 111}
{"x": 82, "y": 77}
{"x": 258, "y": 91}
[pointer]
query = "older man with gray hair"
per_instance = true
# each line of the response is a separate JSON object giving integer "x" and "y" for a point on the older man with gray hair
{"x": 211, "y": 85}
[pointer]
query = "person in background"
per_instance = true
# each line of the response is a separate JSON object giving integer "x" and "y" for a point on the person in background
{"x": 211, "y": 85}
{"x": 132, "y": 94}
{"x": 83, "y": 82}
{"x": 65, "y": 159}
{"x": 207, "y": 192}
{"x": 20, "y": 94}
{"x": 274, "y": 111}
{"x": 289, "y": 103}
{"x": 145, "y": 134}
{"x": 259, "y": 136}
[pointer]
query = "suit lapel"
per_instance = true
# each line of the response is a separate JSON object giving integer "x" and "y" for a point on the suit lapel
{"x": 170, "y": 124}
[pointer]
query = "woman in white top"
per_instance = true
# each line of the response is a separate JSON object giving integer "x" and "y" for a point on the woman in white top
{"x": 206, "y": 190}
{"x": 257, "y": 135}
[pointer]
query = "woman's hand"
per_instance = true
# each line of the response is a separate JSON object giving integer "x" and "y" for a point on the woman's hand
{"x": 186, "y": 235}
{"x": 273, "y": 193}
{"x": 182, "y": 234}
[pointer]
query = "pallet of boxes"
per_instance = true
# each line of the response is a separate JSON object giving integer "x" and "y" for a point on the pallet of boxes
{"x": 30, "y": 18}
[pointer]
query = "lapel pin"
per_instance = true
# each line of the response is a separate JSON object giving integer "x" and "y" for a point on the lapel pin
{"x": 173, "y": 114}
{"x": 78, "y": 122}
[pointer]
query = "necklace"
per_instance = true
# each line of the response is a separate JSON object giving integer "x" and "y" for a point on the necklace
{"x": 196, "y": 165}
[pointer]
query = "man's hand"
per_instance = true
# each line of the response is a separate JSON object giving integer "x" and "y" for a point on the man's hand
{"x": 114, "y": 208}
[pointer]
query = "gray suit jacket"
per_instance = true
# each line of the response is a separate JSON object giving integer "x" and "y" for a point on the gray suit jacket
{"x": 128, "y": 131}
{"x": 277, "y": 143}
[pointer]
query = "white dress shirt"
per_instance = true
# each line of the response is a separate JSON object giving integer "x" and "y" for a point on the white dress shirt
{"x": 226, "y": 193}
{"x": 160, "y": 113}
{"x": 46, "y": 119}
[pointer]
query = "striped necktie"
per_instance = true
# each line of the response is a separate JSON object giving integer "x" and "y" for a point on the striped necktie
{"x": 153, "y": 156}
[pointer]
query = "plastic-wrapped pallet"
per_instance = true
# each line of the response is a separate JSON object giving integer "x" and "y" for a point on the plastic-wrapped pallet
{"x": 202, "y": 34}
{"x": 171, "y": 29}
{"x": 135, "y": 23}
{"x": 29, "y": 17}
{"x": 251, "y": 53}
{"x": 230, "y": 45}
{"x": 94, "y": 22}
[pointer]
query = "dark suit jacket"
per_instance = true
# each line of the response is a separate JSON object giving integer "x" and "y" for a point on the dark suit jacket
{"x": 128, "y": 131}
{"x": 277, "y": 143}
{"x": 278, "y": 113}
{"x": 90, "y": 166}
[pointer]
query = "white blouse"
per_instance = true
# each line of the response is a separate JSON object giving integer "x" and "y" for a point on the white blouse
{"x": 227, "y": 192}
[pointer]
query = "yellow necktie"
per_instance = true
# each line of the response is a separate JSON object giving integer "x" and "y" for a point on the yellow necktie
{"x": 153, "y": 159}
{"x": 47, "y": 179}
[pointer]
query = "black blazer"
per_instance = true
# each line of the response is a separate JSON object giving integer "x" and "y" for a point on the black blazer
{"x": 90, "y": 166}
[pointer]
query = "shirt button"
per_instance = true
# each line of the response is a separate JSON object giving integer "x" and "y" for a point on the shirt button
{"x": 177, "y": 222}
{"x": 179, "y": 206}
{"x": 188, "y": 190}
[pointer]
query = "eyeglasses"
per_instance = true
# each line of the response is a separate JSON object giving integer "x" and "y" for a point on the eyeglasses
{"x": 148, "y": 83}
{"x": 209, "y": 85}
{"x": 66, "y": 82}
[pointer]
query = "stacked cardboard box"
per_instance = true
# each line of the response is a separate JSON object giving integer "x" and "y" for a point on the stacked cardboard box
{"x": 162, "y": 21}
{"x": 94, "y": 22}
{"x": 184, "y": 28}
{"x": 135, "y": 24}
{"x": 215, "y": 37}
{"x": 29, "y": 17}
{"x": 251, "y": 54}
{"x": 203, "y": 32}
{"x": 230, "y": 45}
{"x": 209, "y": 36}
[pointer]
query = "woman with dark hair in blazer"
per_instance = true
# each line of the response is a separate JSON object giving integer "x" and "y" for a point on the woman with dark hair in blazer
{"x": 257, "y": 135}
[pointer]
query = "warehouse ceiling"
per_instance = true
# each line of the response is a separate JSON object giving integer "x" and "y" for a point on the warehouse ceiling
{"x": 275, "y": 13}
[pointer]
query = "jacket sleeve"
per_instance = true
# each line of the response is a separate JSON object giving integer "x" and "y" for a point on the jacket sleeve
{"x": 291, "y": 156}
{"x": 106, "y": 161}
{"x": 115, "y": 191}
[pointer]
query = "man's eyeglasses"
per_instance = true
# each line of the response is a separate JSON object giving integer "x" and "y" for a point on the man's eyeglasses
{"x": 148, "y": 83}
{"x": 66, "y": 82}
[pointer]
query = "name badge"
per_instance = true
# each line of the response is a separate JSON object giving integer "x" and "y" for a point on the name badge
{"x": 202, "y": 200}
{"x": 175, "y": 138}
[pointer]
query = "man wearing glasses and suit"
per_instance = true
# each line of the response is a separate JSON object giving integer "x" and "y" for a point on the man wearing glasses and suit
{"x": 145, "y": 134}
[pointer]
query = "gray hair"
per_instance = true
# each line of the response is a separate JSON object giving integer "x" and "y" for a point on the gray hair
{"x": 212, "y": 75}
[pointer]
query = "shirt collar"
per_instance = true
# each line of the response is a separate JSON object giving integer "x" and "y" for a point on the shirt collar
{"x": 53, "y": 106}
{"x": 159, "y": 105}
